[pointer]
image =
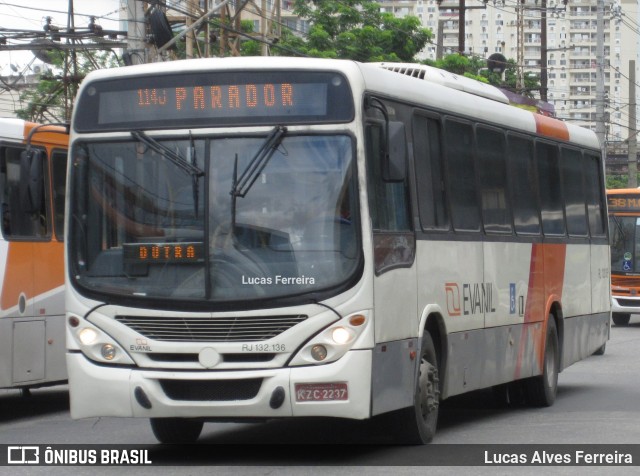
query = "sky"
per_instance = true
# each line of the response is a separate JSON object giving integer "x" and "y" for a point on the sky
{"x": 30, "y": 14}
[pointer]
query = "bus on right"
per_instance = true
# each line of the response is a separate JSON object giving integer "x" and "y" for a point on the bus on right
{"x": 624, "y": 226}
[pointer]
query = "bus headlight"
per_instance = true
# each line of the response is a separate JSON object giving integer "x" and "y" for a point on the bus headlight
{"x": 87, "y": 336}
{"x": 341, "y": 336}
{"x": 108, "y": 352}
{"x": 98, "y": 345}
{"x": 333, "y": 342}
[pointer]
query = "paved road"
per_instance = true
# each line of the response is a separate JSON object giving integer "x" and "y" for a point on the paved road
{"x": 598, "y": 403}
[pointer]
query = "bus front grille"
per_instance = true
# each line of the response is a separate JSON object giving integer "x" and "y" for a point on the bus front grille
{"x": 211, "y": 390}
{"x": 211, "y": 329}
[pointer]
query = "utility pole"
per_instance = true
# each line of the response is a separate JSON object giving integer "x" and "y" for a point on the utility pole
{"x": 633, "y": 141}
{"x": 461, "y": 26}
{"x": 600, "y": 125}
{"x": 462, "y": 8}
{"x": 520, "y": 49}
{"x": 440, "y": 44}
{"x": 136, "y": 49}
{"x": 543, "y": 50}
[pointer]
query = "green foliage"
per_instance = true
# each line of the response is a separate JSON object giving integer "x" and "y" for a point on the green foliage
{"x": 476, "y": 68}
{"x": 354, "y": 29}
{"x": 619, "y": 181}
{"x": 51, "y": 100}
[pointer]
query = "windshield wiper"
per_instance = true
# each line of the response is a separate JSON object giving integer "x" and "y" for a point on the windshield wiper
{"x": 168, "y": 153}
{"x": 619, "y": 227}
{"x": 243, "y": 184}
{"x": 189, "y": 168}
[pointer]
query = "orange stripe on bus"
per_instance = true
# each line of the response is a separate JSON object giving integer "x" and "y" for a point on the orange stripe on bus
{"x": 546, "y": 278}
{"x": 32, "y": 268}
{"x": 550, "y": 127}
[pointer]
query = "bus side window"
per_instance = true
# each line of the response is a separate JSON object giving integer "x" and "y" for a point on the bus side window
{"x": 459, "y": 145}
{"x": 595, "y": 195}
{"x": 492, "y": 165}
{"x": 393, "y": 240}
{"x": 18, "y": 222}
{"x": 574, "y": 195}
{"x": 550, "y": 189}
{"x": 429, "y": 164}
{"x": 388, "y": 201}
{"x": 59, "y": 173}
{"x": 523, "y": 177}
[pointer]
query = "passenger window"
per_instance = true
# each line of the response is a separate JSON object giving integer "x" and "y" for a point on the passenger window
{"x": 492, "y": 165}
{"x": 461, "y": 176}
{"x": 59, "y": 173}
{"x": 523, "y": 179}
{"x": 23, "y": 195}
{"x": 595, "y": 195}
{"x": 574, "y": 195}
{"x": 432, "y": 198}
{"x": 551, "y": 202}
{"x": 388, "y": 202}
{"x": 393, "y": 239}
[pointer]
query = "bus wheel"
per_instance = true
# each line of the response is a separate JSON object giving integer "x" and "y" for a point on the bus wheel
{"x": 176, "y": 430}
{"x": 620, "y": 319}
{"x": 601, "y": 350}
{"x": 417, "y": 424}
{"x": 541, "y": 390}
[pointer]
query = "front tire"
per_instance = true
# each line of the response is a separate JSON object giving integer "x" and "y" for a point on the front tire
{"x": 541, "y": 390}
{"x": 418, "y": 423}
{"x": 621, "y": 319}
{"x": 176, "y": 430}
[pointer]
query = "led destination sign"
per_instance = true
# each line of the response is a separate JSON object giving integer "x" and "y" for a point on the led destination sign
{"x": 148, "y": 253}
{"x": 624, "y": 203}
{"x": 206, "y": 99}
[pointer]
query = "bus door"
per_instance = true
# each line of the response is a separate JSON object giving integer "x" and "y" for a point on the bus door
{"x": 394, "y": 282}
{"x": 24, "y": 225}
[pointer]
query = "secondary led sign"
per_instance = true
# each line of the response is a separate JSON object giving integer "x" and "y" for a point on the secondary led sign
{"x": 149, "y": 253}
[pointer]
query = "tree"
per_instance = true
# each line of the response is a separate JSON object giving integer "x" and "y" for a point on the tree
{"x": 354, "y": 29}
{"x": 51, "y": 100}
{"x": 476, "y": 68}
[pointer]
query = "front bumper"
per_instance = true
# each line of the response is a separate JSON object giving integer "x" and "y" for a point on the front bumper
{"x": 625, "y": 304}
{"x": 100, "y": 390}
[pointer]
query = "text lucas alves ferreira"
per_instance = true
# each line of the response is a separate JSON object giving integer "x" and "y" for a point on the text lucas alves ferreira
{"x": 578, "y": 457}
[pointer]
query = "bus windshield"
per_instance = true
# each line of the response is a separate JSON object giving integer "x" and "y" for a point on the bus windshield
{"x": 625, "y": 244}
{"x": 214, "y": 219}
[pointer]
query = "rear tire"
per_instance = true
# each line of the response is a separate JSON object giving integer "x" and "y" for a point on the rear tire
{"x": 176, "y": 430}
{"x": 601, "y": 349}
{"x": 417, "y": 424}
{"x": 621, "y": 319}
{"x": 541, "y": 390}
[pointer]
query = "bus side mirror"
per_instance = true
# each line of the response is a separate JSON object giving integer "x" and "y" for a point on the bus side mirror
{"x": 31, "y": 180}
{"x": 394, "y": 167}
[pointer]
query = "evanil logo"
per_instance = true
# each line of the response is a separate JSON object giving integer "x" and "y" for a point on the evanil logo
{"x": 469, "y": 298}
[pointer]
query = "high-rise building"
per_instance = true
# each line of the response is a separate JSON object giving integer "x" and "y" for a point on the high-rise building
{"x": 493, "y": 27}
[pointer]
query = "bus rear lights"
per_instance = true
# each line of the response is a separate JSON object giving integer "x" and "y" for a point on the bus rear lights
{"x": 74, "y": 321}
{"x": 88, "y": 336}
{"x": 319, "y": 352}
{"x": 108, "y": 352}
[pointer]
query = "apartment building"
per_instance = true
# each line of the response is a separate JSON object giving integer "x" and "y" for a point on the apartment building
{"x": 492, "y": 27}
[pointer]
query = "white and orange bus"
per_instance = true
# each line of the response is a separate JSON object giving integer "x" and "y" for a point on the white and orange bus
{"x": 624, "y": 228}
{"x": 33, "y": 162}
{"x": 268, "y": 238}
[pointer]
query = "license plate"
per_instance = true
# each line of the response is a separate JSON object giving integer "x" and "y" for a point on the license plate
{"x": 321, "y": 392}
